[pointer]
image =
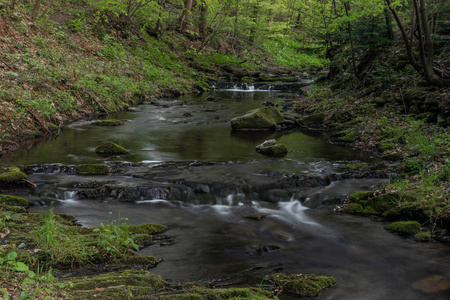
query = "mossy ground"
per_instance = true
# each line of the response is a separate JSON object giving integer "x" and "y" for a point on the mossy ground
{"x": 404, "y": 227}
{"x": 305, "y": 285}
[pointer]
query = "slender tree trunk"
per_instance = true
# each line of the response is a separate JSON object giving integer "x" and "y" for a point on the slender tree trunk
{"x": 349, "y": 28}
{"x": 36, "y": 7}
{"x": 203, "y": 21}
{"x": 184, "y": 22}
{"x": 390, "y": 30}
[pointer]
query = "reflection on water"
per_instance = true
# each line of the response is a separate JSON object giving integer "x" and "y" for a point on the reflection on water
{"x": 257, "y": 226}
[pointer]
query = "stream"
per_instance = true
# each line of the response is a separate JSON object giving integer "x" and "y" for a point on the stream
{"x": 234, "y": 215}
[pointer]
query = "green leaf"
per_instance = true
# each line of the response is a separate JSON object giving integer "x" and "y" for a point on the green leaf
{"x": 21, "y": 267}
{"x": 11, "y": 256}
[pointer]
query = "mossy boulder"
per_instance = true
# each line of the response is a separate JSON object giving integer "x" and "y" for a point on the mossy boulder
{"x": 14, "y": 201}
{"x": 264, "y": 118}
{"x": 313, "y": 119}
{"x": 404, "y": 227}
{"x": 276, "y": 150}
{"x": 110, "y": 148}
{"x": 306, "y": 285}
{"x": 92, "y": 169}
{"x": 110, "y": 122}
{"x": 12, "y": 176}
{"x": 199, "y": 293}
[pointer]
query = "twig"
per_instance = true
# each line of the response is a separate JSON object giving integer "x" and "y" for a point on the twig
{"x": 38, "y": 120}
{"x": 3, "y": 62}
{"x": 403, "y": 99}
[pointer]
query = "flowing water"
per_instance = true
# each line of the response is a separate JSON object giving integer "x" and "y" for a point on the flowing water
{"x": 234, "y": 215}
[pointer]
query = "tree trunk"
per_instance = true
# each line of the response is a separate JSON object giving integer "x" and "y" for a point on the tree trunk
{"x": 349, "y": 28}
{"x": 203, "y": 21}
{"x": 35, "y": 12}
{"x": 390, "y": 30}
{"x": 184, "y": 21}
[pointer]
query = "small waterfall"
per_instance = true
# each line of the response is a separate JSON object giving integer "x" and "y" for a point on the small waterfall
{"x": 70, "y": 195}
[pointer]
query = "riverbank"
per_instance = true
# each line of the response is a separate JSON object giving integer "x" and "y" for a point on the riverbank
{"x": 69, "y": 64}
{"x": 388, "y": 124}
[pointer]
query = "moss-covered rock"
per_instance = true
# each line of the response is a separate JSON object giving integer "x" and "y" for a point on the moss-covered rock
{"x": 16, "y": 209}
{"x": 110, "y": 122}
{"x": 313, "y": 119}
{"x": 372, "y": 204}
{"x": 404, "y": 227}
{"x": 14, "y": 201}
{"x": 264, "y": 118}
{"x": 92, "y": 169}
{"x": 110, "y": 148}
{"x": 218, "y": 294}
{"x": 276, "y": 150}
{"x": 355, "y": 167}
{"x": 306, "y": 285}
{"x": 146, "y": 228}
{"x": 12, "y": 176}
{"x": 423, "y": 236}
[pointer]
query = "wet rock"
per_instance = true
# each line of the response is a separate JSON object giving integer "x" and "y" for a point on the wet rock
{"x": 210, "y": 98}
{"x": 92, "y": 169}
{"x": 306, "y": 285}
{"x": 265, "y": 118}
{"x": 187, "y": 115}
{"x": 271, "y": 148}
{"x": 134, "y": 109}
{"x": 152, "y": 101}
{"x": 110, "y": 148}
{"x": 110, "y": 122}
{"x": 267, "y": 248}
{"x": 432, "y": 284}
{"x": 256, "y": 216}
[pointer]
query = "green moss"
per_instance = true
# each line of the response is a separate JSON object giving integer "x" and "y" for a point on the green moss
{"x": 144, "y": 260}
{"x": 313, "y": 119}
{"x": 146, "y": 228}
{"x": 354, "y": 167}
{"x": 52, "y": 127}
{"x": 392, "y": 156}
{"x": 127, "y": 278}
{"x": 276, "y": 150}
{"x": 306, "y": 285}
{"x": 264, "y": 118}
{"x": 386, "y": 145}
{"x": 12, "y": 176}
{"x": 371, "y": 204}
{"x": 404, "y": 227}
{"x": 16, "y": 209}
{"x": 380, "y": 102}
{"x": 220, "y": 294}
{"x": 92, "y": 169}
{"x": 110, "y": 122}
{"x": 110, "y": 148}
{"x": 346, "y": 136}
{"x": 139, "y": 238}
{"x": 352, "y": 208}
{"x": 423, "y": 236}
{"x": 14, "y": 201}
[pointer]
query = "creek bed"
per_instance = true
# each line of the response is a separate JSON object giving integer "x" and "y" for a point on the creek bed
{"x": 234, "y": 215}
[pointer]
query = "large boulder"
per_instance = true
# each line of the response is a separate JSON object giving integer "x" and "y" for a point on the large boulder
{"x": 264, "y": 118}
